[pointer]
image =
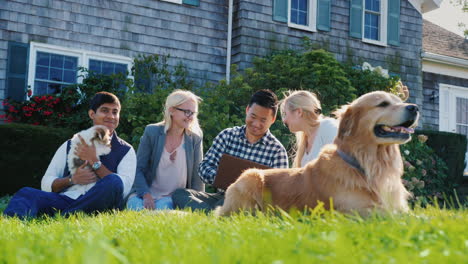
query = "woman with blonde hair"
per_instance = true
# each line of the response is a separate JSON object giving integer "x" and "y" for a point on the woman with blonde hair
{"x": 169, "y": 154}
{"x": 302, "y": 114}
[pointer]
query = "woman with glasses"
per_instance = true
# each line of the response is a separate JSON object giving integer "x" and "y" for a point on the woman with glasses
{"x": 169, "y": 154}
{"x": 302, "y": 114}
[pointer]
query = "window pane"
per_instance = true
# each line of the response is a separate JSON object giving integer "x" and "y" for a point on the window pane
{"x": 371, "y": 26}
{"x": 42, "y": 59}
{"x": 54, "y": 88}
{"x": 95, "y": 66}
{"x": 107, "y": 68}
{"x": 303, "y": 5}
{"x": 373, "y": 5}
{"x": 69, "y": 76}
{"x": 42, "y": 72}
{"x": 56, "y": 61}
{"x": 294, "y": 4}
{"x": 70, "y": 63}
{"x": 40, "y": 87}
{"x": 121, "y": 68}
{"x": 302, "y": 18}
{"x": 56, "y": 74}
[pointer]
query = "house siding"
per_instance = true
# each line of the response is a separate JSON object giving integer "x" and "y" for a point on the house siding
{"x": 430, "y": 110}
{"x": 256, "y": 34}
{"x": 195, "y": 36}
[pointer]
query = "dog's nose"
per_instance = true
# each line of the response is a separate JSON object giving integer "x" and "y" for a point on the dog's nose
{"x": 412, "y": 108}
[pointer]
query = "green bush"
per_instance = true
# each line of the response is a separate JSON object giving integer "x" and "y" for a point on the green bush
{"x": 426, "y": 174}
{"x": 26, "y": 152}
{"x": 451, "y": 147}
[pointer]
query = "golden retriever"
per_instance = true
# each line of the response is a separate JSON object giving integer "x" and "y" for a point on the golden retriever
{"x": 360, "y": 172}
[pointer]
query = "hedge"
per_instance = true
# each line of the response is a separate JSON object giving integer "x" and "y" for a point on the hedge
{"x": 26, "y": 151}
{"x": 450, "y": 147}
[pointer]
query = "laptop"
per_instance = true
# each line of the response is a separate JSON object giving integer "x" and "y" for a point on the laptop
{"x": 230, "y": 168}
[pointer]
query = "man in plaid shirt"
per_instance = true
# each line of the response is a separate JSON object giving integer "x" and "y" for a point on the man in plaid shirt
{"x": 252, "y": 141}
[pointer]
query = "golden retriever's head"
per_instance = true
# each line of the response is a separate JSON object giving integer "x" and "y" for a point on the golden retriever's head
{"x": 101, "y": 135}
{"x": 378, "y": 117}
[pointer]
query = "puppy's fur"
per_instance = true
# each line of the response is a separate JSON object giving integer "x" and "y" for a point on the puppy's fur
{"x": 370, "y": 130}
{"x": 99, "y": 135}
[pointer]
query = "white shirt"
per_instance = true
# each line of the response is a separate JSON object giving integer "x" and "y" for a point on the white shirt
{"x": 126, "y": 171}
{"x": 327, "y": 131}
{"x": 170, "y": 174}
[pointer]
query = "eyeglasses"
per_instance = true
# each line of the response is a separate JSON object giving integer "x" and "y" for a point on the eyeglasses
{"x": 187, "y": 112}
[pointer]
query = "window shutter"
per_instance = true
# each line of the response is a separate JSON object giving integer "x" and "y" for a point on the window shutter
{"x": 280, "y": 10}
{"x": 17, "y": 70}
{"x": 393, "y": 23}
{"x": 191, "y": 2}
{"x": 355, "y": 19}
{"x": 323, "y": 15}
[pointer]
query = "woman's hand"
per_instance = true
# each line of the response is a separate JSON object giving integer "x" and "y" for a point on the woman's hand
{"x": 148, "y": 201}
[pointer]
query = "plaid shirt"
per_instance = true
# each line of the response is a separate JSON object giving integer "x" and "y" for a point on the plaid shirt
{"x": 267, "y": 151}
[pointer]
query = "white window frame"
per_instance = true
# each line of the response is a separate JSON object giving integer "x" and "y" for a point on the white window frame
{"x": 447, "y": 110}
{"x": 383, "y": 24}
{"x": 82, "y": 55}
{"x": 311, "y": 13}
{"x": 447, "y": 106}
{"x": 173, "y": 1}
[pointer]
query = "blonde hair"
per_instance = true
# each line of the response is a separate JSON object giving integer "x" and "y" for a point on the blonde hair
{"x": 176, "y": 98}
{"x": 310, "y": 105}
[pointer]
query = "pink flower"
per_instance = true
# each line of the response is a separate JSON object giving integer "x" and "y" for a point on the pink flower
{"x": 29, "y": 92}
{"x": 423, "y": 172}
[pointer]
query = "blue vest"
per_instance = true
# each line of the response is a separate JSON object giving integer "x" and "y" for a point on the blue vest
{"x": 119, "y": 148}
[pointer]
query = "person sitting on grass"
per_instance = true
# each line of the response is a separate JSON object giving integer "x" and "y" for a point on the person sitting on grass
{"x": 98, "y": 185}
{"x": 252, "y": 141}
{"x": 168, "y": 155}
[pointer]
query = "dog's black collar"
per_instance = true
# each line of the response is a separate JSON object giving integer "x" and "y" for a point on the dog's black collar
{"x": 351, "y": 161}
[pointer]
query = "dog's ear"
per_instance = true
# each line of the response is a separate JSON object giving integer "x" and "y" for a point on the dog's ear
{"x": 101, "y": 133}
{"x": 348, "y": 118}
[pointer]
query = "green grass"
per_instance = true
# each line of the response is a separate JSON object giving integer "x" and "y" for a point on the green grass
{"x": 429, "y": 235}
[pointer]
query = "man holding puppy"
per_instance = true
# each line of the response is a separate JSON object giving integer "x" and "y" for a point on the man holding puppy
{"x": 111, "y": 174}
{"x": 252, "y": 141}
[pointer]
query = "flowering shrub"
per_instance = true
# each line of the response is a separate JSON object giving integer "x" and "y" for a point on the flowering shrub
{"x": 425, "y": 173}
{"x": 38, "y": 110}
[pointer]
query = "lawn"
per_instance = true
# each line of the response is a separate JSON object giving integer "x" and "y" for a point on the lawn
{"x": 429, "y": 235}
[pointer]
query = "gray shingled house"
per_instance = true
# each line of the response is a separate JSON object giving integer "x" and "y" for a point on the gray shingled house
{"x": 445, "y": 80}
{"x": 42, "y": 42}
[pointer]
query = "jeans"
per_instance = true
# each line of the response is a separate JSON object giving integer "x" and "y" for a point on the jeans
{"x": 135, "y": 203}
{"x": 29, "y": 202}
{"x": 196, "y": 200}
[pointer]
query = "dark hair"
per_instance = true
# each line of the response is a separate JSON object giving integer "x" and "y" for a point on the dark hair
{"x": 102, "y": 98}
{"x": 265, "y": 98}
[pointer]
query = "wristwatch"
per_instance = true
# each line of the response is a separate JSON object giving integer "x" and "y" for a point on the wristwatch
{"x": 96, "y": 165}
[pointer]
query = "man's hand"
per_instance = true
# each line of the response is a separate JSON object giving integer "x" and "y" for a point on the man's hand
{"x": 84, "y": 175}
{"x": 86, "y": 152}
{"x": 148, "y": 201}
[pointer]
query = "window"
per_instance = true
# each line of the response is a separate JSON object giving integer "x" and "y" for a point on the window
{"x": 53, "y": 67}
{"x": 375, "y": 22}
{"x": 53, "y": 71}
{"x": 302, "y": 14}
{"x": 105, "y": 67}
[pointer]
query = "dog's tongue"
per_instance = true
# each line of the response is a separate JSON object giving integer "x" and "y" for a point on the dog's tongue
{"x": 406, "y": 129}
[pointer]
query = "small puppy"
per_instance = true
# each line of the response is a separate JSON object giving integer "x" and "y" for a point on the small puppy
{"x": 97, "y": 134}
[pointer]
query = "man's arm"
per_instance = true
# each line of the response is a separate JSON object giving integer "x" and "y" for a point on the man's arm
{"x": 55, "y": 171}
{"x": 209, "y": 166}
{"x": 126, "y": 170}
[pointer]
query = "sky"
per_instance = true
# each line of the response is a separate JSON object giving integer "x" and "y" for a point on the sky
{"x": 448, "y": 16}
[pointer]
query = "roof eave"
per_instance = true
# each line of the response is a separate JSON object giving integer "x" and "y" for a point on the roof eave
{"x": 424, "y": 6}
{"x": 452, "y": 61}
